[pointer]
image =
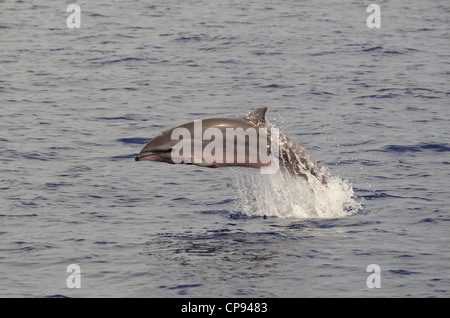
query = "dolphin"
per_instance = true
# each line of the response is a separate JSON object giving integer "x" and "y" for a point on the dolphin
{"x": 292, "y": 158}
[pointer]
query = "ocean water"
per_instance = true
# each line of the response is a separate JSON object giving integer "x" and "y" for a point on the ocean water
{"x": 372, "y": 106}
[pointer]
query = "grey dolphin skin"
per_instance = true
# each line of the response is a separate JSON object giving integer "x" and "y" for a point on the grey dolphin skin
{"x": 291, "y": 157}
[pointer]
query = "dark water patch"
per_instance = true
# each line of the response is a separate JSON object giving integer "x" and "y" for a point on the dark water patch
{"x": 121, "y": 157}
{"x": 134, "y": 140}
{"x": 272, "y": 86}
{"x": 188, "y": 38}
{"x": 79, "y": 169}
{"x": 227, "y": 62}
{"x": 225, "y": 201}
{"x": 185, "y": 286}
{"x": 35, "y": 156}
{"x": 27, "y": 249}
{"x": 390, "y": 95}
{"x": 118, "y": 88}
{"x": 321, "y": 93}
{"x": 370, "y": 163}
{"x": 435, "y": 147}
{"x": 126, "y": 59}
{"x": 427, "y": 96}
{"x": 402, "y": 272}
{"x": 392, "y": 52}
{"x": 378, "y": 195}
{"x": 29, "y": 246}
{"x": 52, "y": 185}
{"x": 215, "y": 212}
{"x": 258, "y": 53}
{"x": 183, "y": 289}
{"x": 191, "y": 38}
{"x": 127, "y": 117}
{"x": 400, "y": 148}
{"x": 375, "y": 48}
{"x": 29, "y": 203}
{"x": 386, "y": 51}
{"x": 361, "y": 143}
{"x": 181, "y": 199}
{"x": 413, "y": 109}
{"x": 97, "y": 15}
{"x": 18, "y": 215}
{"x": 242, "y": 216}
{"x": 361, "y": 252}
{"x": 104, "y": 243}
{"x": 94, "y": 196}
{"x": 427, "y": 220}
{"x": 95, "y": 214}
{"x": 414, "y": 92}
{"x": 322, "y": 53}
{"x": 61, "y": 148}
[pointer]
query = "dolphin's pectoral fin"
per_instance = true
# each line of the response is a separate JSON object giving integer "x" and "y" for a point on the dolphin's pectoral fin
{"x": 258, "y": 116}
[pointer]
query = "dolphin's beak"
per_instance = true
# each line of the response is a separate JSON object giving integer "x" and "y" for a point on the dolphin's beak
{"x": 140, "y": 156}
{"x": 145, "y": 155}
{"x": 155, "y": 155}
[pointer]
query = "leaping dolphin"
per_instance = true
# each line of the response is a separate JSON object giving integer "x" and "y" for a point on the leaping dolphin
{"x": 244, "y": 142}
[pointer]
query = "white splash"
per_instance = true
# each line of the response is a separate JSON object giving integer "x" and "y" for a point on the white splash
{"x": 285, "y": 196}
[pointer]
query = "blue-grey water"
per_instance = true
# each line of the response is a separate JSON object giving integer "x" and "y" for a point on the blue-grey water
{"x": 370, "y": 105}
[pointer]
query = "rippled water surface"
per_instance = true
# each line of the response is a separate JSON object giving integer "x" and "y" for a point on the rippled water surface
{"x": 370, "y": 105}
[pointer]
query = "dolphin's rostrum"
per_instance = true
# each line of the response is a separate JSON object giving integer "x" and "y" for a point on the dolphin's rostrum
{"x": 219, "y": 142}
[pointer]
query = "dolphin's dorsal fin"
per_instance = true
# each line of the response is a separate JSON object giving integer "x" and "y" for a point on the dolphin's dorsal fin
{"x": 258, "y": 116}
